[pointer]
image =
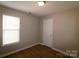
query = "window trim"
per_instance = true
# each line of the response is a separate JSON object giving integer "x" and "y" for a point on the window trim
{"x": 10, "y": 29}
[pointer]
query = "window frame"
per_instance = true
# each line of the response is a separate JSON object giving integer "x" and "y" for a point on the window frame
{"x": 10, "y": 29}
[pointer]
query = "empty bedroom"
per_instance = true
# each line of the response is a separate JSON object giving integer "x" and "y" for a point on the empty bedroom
{"x": 39, "y": 29}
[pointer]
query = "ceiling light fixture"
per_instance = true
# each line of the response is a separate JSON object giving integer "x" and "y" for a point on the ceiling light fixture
{"x": 41, "y": 3}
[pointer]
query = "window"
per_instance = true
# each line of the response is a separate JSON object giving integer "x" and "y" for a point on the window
{"x": 11, "y": 29}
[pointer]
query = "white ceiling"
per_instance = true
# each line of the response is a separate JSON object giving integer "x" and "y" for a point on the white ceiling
{"x": 49, "y": 8}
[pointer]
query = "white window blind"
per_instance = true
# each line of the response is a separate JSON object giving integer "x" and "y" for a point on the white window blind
{"x": 11, "y": 29}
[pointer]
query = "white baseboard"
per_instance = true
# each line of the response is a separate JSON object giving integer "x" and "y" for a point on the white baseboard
{"x": 59, "y": 50}
{"x": 56, "y": 49}
{"x": 6, "y": 54}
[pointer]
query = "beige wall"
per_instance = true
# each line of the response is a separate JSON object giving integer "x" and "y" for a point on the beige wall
{"x": 65, "y": 29}
{"x": 29, "y": 31}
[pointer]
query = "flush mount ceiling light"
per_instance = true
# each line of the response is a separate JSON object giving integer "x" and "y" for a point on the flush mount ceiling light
{"x": 41, "y": 3}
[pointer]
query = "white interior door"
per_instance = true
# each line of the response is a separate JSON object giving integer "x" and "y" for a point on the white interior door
{"x": 48, "y": 32}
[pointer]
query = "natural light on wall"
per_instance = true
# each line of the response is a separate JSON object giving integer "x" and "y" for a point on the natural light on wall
{"x": 11, "y": 29}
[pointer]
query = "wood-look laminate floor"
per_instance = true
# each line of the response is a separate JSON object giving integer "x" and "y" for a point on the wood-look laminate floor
{"x": 38, "y": 51}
